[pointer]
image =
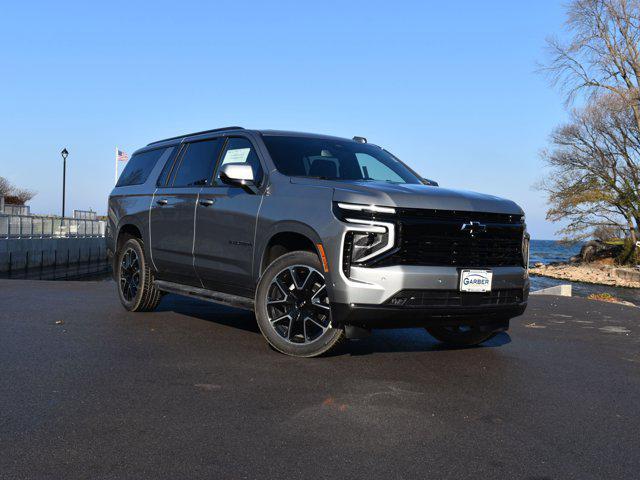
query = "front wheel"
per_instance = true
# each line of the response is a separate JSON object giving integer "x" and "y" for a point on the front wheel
{"x": 135, "y": 280}
{"x": 460, "y": 335}
{"x": 292, "y": 307}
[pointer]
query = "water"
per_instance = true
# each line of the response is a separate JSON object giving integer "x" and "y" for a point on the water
{"x": 550, "y": 251}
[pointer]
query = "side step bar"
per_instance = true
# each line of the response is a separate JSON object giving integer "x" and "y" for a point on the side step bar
{"x": 204, "y": 294}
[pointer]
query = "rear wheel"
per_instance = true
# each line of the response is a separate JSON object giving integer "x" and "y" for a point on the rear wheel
{"x": 135, "y": 279}
{"x": 292, "y": 307}
{"x": 460, "y": 335}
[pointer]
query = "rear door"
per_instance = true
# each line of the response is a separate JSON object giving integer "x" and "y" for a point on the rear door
{"x": 173, "y": 207}
{"x": 226, "y": 224}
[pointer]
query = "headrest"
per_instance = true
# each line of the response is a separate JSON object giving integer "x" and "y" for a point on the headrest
{"x": 323, "y": 168}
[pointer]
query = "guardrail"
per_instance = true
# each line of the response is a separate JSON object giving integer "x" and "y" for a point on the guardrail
{"x": 35, "y": 226}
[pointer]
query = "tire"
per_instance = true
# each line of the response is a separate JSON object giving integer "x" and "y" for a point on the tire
{"x": 460, "y": 336}
{"x": 134, "y": 278}
{"x": 292, "y": 307}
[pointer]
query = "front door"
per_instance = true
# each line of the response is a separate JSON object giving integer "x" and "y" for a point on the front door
{"x": 173, "y": 209}
{"x": 226, "y": 226}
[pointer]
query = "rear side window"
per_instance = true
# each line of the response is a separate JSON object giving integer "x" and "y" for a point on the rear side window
{"x": 168, "y": 167}
{"x": 139, "y": 167}
{"x": 196, "y": 166}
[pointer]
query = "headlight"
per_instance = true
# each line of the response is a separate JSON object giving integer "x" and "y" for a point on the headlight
{"x": 366, "y": 208}
{"x": 365, "y": 245}
{"x": 526, "y": 240}
{"x": 370, "y": 232}
{"x": 365, "y": 240}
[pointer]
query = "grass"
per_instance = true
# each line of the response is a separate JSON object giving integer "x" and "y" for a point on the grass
{"x": 604, "y": 297}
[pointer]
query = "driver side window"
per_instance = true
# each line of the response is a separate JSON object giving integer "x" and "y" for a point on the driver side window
{"x": 240, "y": 150}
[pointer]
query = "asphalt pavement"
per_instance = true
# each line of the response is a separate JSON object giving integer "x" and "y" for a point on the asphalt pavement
{"x": 88, "y": 390}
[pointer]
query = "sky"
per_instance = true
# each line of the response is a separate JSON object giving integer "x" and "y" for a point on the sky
{"x": 451, "y": 88}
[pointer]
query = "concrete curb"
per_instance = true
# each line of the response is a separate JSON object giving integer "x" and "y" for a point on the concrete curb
{"x": 627, "y": 274}
{"x": 561, "y": 290}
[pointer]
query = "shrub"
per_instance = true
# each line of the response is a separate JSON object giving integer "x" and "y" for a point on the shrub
{"x": 629, "y": 254}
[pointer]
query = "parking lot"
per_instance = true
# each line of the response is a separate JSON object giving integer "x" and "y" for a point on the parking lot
{"x": 88, "y": 390}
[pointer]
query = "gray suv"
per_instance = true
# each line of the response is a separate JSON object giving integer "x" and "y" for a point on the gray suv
{"x": 324, "y": 238}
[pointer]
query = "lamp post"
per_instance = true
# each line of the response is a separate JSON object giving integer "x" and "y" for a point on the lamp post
{"x": 64, "y": 154}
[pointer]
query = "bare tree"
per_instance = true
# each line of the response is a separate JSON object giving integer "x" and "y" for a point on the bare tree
{"x": 595, "y": 176}
{"x": 14, "y": 195}
{"x": 20, "y": 196}
{"x": 595, "y": 162}
{"x": 5, "y": 187}
{"x": 602, "y": 54}
{"x": 607, "y": 233}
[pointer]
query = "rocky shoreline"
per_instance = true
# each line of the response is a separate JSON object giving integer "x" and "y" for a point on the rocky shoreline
{"x": 594, "y": 273}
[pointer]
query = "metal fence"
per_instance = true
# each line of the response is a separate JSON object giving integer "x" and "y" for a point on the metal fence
{"x": 34, "y": 226}
{"x": 85, "y": 214}
{"x": 10, "y": 209}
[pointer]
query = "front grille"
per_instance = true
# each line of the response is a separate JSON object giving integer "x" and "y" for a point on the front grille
{"x": 454, "y": 298}
{"x": 437, "y": 238}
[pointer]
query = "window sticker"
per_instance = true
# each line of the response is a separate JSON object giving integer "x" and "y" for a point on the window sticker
{"x": 236, "y": 155}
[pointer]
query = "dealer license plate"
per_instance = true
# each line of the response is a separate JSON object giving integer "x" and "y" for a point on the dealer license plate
{"x": 475, "y": 280}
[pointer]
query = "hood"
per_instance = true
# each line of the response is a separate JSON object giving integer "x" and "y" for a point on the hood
{"x": 414, "y": 196}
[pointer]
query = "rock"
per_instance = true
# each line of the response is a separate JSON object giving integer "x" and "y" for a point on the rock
{"x": 595, "y": 250}
{"x": 589, "y": 273}
{"x": 538, "y": 264}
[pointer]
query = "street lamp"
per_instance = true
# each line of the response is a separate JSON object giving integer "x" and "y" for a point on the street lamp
{"x": 64, "y": 154}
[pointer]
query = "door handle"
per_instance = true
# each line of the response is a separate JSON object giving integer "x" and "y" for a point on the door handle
{"x": 206, "y": 203}
{"x": 162, "y": 201}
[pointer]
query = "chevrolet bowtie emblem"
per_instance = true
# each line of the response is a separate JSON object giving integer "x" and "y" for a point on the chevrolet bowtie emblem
{"x": 474, "y": 226}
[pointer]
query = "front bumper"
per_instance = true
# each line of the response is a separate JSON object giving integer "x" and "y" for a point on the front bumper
{"x": 377, "y": 285}
{"x": 384, "y": 316}
{"x": 364, "y": 298}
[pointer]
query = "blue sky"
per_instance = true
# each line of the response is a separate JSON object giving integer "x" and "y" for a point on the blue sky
{"x": 449, "y": 87}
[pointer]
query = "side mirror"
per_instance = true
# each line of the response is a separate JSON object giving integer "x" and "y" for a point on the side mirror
{"x": 238, "y": 175}
{"x": 432, "y": 183}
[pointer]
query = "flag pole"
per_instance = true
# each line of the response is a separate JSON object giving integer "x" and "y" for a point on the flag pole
{"x": 116, "y": 174}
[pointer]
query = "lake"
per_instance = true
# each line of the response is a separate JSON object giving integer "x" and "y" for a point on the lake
{"x": 549, "y": 251}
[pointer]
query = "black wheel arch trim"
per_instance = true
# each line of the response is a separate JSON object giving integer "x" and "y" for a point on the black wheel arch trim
{"x": 144, "y": 233}
{"x": 285, "y": 226}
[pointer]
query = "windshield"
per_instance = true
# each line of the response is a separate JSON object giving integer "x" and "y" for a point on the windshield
{"x": 336, "y": 160}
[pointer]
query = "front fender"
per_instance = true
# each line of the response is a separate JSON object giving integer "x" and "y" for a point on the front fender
{"x": 284, "y": 226}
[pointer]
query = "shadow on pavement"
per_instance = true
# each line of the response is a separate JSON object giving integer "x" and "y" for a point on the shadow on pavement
{"x": 211, "y": 312}
{"x": 411, "y": 340}
{"x": 380, "y": 341}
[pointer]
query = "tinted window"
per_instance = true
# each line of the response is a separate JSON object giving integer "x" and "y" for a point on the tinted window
{"x": 240, "y": 150}
{"x": 139, "y": 167}
{"x": 168, "y": 168}
{"x": 196, "y": 165}
{"x": 334, "y": 159}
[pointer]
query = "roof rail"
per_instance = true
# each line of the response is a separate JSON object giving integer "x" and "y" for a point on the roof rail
{"x": 196, "y": 133}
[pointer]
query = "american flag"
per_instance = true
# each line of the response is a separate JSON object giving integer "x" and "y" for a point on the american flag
{"x": 122, "y": 156}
